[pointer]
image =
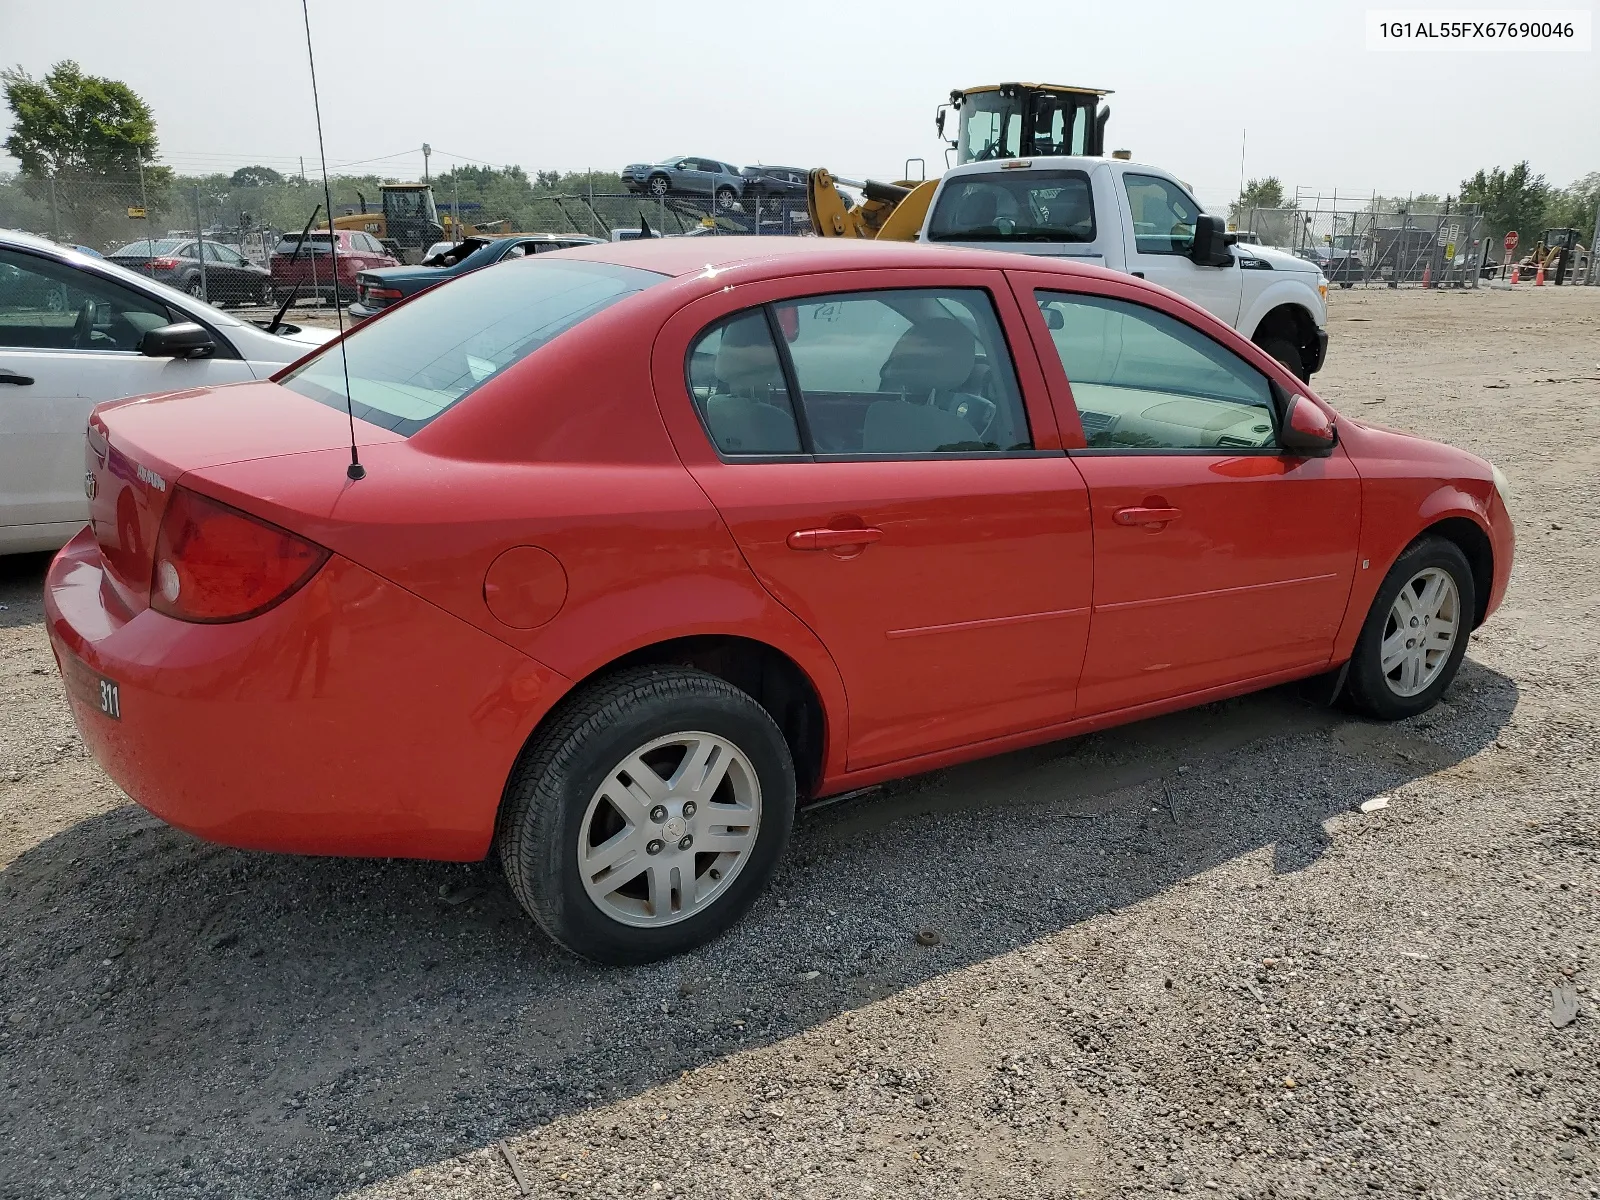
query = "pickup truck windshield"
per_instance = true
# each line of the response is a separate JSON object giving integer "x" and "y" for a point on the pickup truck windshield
{"x": 1017, "y": 206}
{"x": 409, "y": 366}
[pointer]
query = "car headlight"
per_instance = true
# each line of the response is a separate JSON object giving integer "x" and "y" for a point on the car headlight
{"x": 1501, "y": 485}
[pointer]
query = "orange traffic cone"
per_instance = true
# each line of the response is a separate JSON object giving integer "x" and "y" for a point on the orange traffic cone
{"x": 1427, "y": 277}
{"x": 1538, "y": 280}
{"x": 1516, "y": 272}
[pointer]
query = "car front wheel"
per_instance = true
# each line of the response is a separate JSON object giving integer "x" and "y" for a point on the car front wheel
{"x": 648, "y": 815}
{"x": 659, "y": 185}
{"x": 1415, "y": 634}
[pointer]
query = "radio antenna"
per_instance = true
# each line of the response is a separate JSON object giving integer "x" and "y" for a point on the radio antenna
{"x": 355, "y": 470}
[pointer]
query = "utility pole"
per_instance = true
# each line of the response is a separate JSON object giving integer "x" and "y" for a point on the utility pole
{"x": 302, "y": 168}
{"x": 426, "y": 151}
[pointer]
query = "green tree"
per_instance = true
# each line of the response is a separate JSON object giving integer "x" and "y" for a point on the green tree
{"x": 254, "y": 177}
{"x": 69, "y": 123}
{"x": 1262, "y": 210}
{"x": 1574, "y": 207}
{"x": 1513, "y": 199}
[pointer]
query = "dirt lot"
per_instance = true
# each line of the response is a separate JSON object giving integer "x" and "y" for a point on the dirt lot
{"x": 1173, "y": 957}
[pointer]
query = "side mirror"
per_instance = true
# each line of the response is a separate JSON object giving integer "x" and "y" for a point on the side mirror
{"x": 1210, "y": 247}
{"x": 185, "y": 339}
{"x": 1053, "y": 319}
{"x": 1307, "y": 430}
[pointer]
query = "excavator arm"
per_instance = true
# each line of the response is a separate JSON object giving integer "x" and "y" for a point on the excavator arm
{"x": 887, "y": 212}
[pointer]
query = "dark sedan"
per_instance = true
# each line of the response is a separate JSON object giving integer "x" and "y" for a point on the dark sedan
{"x": 377, "y": 290}
{"x": 229, "y": 277}
{"x": 775, "y": 181}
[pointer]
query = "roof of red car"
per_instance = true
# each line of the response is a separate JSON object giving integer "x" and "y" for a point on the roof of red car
{"x": 685, "y": 256}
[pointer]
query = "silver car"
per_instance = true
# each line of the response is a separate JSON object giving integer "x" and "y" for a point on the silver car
{"x": 686, "y": 177}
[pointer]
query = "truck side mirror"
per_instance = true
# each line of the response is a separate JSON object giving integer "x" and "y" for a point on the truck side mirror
{"x": 1210, "y": 246}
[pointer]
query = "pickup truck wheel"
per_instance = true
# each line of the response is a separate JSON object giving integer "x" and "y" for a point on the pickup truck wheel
{"x": 647, "y": 815}
{"x": 1415, "y": 634}
{"x": 1286, "y": 352}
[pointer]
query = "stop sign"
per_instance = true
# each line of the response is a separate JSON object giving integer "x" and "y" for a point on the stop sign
{"x": 1511, "y": 241}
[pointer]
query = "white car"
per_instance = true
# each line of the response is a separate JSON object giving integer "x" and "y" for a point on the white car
{"x": 1139, "y": 219}
{"x": 76, "y": 330}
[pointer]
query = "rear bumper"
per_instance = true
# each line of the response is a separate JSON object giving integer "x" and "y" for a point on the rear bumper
{"x": 353, "y": 719}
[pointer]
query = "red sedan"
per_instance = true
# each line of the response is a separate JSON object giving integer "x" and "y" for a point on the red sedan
{"x": 658, "y": 539}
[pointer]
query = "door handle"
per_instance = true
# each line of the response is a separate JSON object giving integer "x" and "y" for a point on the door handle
{"x": 1145, "y": 516}
{"x": 832, "y": 539}
{"x": 13, "y": 378}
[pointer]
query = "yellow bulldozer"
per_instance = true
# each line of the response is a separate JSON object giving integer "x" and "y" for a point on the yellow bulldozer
{"x": 995, "y": 121}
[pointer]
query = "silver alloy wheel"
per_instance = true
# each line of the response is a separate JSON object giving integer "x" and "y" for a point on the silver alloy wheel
{"x": 1420, "y": 632}
{"x": 670, "y": 829}
{"x": 659, "y": 184}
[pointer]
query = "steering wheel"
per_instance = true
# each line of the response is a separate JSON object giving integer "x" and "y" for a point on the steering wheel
{"x": 83, "y": 327}
{"x": 974, "y": 410}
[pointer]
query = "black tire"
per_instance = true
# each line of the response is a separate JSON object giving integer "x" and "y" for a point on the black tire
{"x": 1367, "y": 689}
{"x": 725, "y": 197}
{"x": 194, "y": 287}
{"x": 1347, "y": 283}
{"x": 659, "y": 185}
{"x": 1286, "y": 352}
{"x": 558, "y": 772}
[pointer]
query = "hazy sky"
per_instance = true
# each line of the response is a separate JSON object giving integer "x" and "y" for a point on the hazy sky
{"x": 808, "y": 83}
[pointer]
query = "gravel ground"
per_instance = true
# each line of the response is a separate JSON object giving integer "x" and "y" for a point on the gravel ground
{"x": 1172, "y": 958}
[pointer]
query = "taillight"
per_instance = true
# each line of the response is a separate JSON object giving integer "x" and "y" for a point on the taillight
{"x": 376, "y": 293}
{"x": 163, "y": 264}
{"x": 214, "y": 563}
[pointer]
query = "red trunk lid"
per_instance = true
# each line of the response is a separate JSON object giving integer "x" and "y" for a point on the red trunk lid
{"x": 139, "y": 449}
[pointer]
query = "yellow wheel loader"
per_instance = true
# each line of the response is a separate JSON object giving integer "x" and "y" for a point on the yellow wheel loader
{"x": 995, "y": 121}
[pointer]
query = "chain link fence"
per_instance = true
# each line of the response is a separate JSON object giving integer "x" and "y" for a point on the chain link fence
{"x": 105, "y": 214}
{"x": 1378, "y": 243}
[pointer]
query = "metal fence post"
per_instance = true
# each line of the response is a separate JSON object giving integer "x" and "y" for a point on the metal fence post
{"x": 1594, "y": 251}
{"x": 200, "y": 247}
{"x": 55, "y": 216}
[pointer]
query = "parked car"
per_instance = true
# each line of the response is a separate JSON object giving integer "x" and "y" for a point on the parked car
{"x": 377, "y": 290}
{"x": 75, "y": 331}
{"x": 1140, "y": 219}
{"x": 229, "y": 277}
{"x": 775, "y": 181}
{"x": 686, "y": 177}
{"x": 654, "y": 541}
{"x": 310, "y": 276}
{"x": 1343, "y": 267}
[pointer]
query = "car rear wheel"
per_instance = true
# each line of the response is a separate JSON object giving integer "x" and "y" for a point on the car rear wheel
{"x": 1415, "y": 634}
{"x": 659, "y": 184}
{"x": 648, "y": 815}
{"x": 1286, "y": 352}
{"x": 194, "y": 288}
{"x": 726, "y": 196}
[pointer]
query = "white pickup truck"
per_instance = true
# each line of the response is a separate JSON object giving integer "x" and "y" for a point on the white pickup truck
{"x": 1139, "y": 219}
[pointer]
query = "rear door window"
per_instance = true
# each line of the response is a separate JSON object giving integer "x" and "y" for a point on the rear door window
{"x": 878, "y": 374}
{"x": 426, "y": 355}
{"x": 913, "y": 371}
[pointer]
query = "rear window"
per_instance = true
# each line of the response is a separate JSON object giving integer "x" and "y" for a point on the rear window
{"x": 317, "y": 243}
{"x": 1015, "y": 206}
{"x": 417, "y": 361}
{"x": 155, "y": 246}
